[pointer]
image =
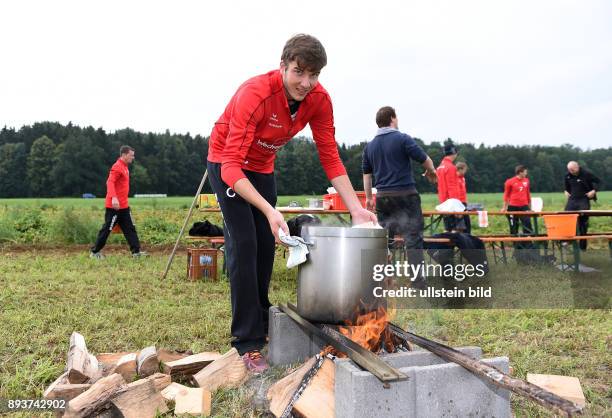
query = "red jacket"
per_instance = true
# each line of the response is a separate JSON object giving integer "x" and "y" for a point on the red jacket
{"x": 118, "y": 184}
{"x": 462, "y": 189}
{"x": 448, "y": 187}
{"x": 516, "y": 192}
{"x": 256, "y": 124}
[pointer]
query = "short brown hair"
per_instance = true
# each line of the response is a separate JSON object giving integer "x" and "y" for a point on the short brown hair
{"x": 384, "y": 116}
{"x": 307, "y": 51}
{"x": 519, "y": 169}
{"x": 461, "y": 165}
{"x": 125, "y": 149}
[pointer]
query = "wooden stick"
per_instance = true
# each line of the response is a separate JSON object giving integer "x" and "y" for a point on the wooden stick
{"x": 178, "y": 239}
{"x": 492, "y": 374}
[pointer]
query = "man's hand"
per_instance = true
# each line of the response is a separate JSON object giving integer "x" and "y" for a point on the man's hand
{"x": 567, "y": 194}
{"x": 431, "y": 176}
{"x": 115, "y": 203}
{"x": 276, "y": 221}
{"x": 362, "y": 216}
{"x": 591, "y": 194}
{"x": 370, "y": 204}
{"x": 504, "y": 207}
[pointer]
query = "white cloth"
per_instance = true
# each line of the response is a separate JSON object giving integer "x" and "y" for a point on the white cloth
{"x": 537, "y": 204}
{"x": 483, "y": 219}
{"x": 451, "y": 205}
{"x": 369, "y": 225}
{"x": 298, "y": 250}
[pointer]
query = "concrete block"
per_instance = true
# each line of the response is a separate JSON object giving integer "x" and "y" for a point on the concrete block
{"x": 288, "y": 342}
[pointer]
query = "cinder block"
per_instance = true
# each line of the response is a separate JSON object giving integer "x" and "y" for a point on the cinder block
{"x": 288, "y": 342}
{"x": 434, "y": 388}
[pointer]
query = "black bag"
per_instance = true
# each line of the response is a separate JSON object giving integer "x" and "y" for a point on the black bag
{"x": 295, "y": 224}
{"x": 205, "y": 229}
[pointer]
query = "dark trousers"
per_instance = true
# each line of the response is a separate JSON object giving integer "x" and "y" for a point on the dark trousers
{"x": 524, "y": 220}
{"x": 402, "y": 215}
{"x": 249, "y": 254}
{"x": 122, "y": 217}
{"x": 459, "y": 224}
{"x": 582, "y": 203}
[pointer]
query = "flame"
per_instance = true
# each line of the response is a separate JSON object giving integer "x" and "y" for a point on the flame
{"x": 370, "y": 330}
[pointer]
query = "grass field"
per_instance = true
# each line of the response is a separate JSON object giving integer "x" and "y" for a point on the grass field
{"x": 121, "y": 304}
{"x": 49, "y": 288}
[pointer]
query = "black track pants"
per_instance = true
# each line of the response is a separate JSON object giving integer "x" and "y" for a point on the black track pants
{"x": 122, "y": 217}
{"x": 249, "y": 253}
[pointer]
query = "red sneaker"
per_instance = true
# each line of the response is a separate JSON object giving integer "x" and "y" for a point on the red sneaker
{"x": 255, "y": 362}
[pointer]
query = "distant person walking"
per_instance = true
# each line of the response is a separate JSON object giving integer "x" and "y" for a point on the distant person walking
{"x": 580, "y": 190}
{"x": 464, "y": 224}
{"x": 517, "y": 198}
{"x": 117, "y": 208}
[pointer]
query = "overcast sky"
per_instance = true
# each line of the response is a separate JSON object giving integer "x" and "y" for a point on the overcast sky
{"x": 521, "y": 72}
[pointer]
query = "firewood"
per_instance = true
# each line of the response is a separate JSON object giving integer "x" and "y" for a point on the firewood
{"x": 160, "y": 381}
{"x": 95, "y": 397}
{"x": 147, "y": 362}
{"x": 190, "y": 365}
{"x": 565, "y": 386}
{"x": 62, "y": 380}
{"x": 193, "y": 401}
{"x": 169, "y": 393}
{"x": 228, "y": 371}
{"x": 318, "y": 400}
{"x": 66, "y": 391}
{"x": 108, "y": 361}
{"x": 126, "y": 367}
{"x": 81, "y": 366}
{"x": 140, "y": 399}
{"x": 166, "y": 356}
{"x": 281, "y": 392}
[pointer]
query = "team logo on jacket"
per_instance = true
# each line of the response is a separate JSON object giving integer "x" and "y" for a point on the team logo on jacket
{"x": 270, "y": 148}
{"x": 273, "y": 122}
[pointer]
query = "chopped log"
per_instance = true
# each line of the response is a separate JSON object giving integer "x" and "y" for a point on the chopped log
{"x": 147, "y": 362}
{"x": 62, "y": 380}
{"x": 192, "y": 401}
{"x": 126, "y": 367}
{"x": 170, "y": 392}
{"x": 567, "y": 387}
{"x": 67, "y": 391}
{"x": 166, "y": 356}
{"x": 81, "y": 366}
{"x": 318, "y": 399}
{"x": 189, "y": 366}
{"x": 280, "y": 394}
{"x": 94, "y": 398}
{"x": 160, "y": 381}
{"x": 140, "y": 399}
{"x": 228, "y": 371}
{"x": 108, "y": 361}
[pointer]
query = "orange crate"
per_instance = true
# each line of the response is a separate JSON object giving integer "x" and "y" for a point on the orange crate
{"x": 202, "y": 263}
{"x": 561, "y": 226}
{"x": 338, "y": 204}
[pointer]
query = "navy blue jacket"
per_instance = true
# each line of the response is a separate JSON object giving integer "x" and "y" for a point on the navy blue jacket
{"x": 387, "y": 157}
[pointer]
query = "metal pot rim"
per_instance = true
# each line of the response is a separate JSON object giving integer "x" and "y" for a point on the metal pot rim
{"x": 343, "y": 232}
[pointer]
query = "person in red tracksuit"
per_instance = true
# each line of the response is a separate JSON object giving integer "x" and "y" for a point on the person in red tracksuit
{"x": 117, "y": 207}
{"x": 448, "y": 187}
{"x": 262, "y": 116}
{"x": 517, "y": 197}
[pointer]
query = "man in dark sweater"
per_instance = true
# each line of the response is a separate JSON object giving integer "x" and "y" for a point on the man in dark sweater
{"x": 580, "y": 189}
{"x": 398, "y": 204}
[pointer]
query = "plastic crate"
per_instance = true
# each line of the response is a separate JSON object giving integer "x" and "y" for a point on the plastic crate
{"x": 336, "y": 202}
{"x": 202, "y": 263}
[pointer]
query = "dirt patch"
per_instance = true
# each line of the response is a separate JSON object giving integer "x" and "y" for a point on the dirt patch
{"x": 46, "y": 249}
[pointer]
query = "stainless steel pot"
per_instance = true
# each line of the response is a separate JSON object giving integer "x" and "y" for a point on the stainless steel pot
{"x": 337, "y": 276}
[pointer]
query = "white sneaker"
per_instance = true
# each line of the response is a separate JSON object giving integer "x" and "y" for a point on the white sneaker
{"x": 140, "y": 254}
{"x": 97, "y": 256}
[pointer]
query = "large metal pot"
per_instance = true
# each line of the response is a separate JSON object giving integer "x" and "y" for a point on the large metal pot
{"x": 337, "y": 277}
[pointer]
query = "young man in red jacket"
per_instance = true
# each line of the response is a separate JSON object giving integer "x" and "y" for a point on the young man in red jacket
{"x": 448, "y": 186}
{"x": 262, "y": 116}
{"x": 117, "y": 207}
{"x": 517, "y": 198}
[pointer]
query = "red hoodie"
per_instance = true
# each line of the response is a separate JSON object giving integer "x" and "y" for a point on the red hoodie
{"x": 516, "y": 191}
{"x": 118, "y": 184}
{"x": 447, "y": 180}
{"x": 256, "y": 124}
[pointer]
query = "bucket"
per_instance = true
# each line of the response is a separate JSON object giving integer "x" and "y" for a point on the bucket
{"x": 561, "y": 226}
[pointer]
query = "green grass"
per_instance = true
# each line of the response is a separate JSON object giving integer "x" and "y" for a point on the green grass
{"x": 121, "y": 304}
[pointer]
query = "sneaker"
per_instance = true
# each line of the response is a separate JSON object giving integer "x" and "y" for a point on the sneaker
{"x": 140, "y": 254}
{"x": 255, "y": 362}
{"x": 97, "y": 256}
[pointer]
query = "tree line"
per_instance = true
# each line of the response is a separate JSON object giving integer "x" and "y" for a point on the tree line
{"x": 48, "y": 159}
